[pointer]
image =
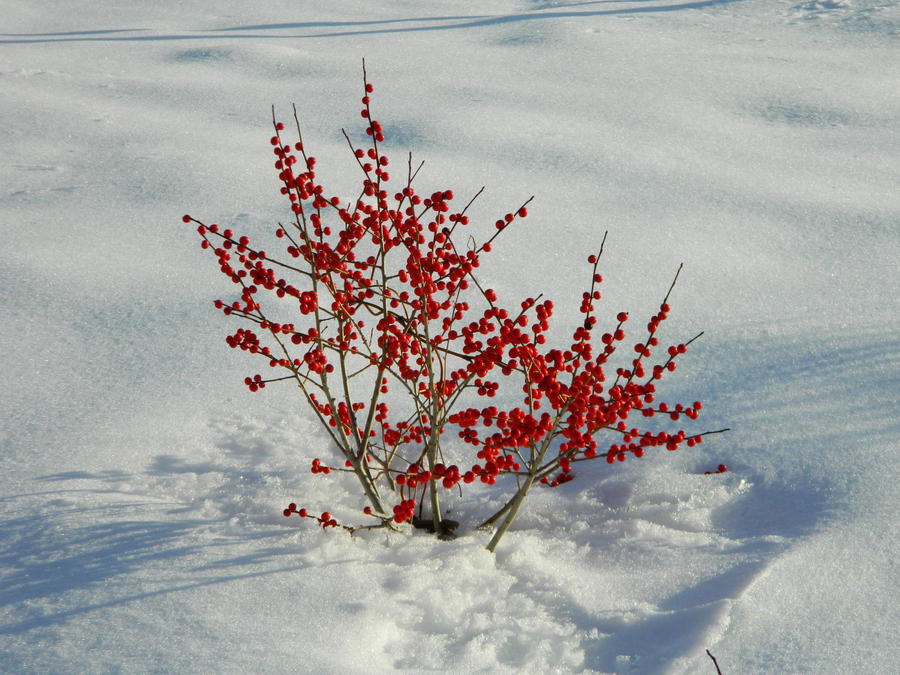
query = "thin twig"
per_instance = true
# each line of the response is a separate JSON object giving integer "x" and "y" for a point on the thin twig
{"x": 715, "y": 663}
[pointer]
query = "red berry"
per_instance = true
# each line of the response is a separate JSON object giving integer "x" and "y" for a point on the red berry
{"x": 722, "y": 468}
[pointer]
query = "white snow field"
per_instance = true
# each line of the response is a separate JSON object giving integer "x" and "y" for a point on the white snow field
{"x": 141, "y": 484}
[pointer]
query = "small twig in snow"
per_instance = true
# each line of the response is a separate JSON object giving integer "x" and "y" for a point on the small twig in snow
{"x": 715, "y": 663}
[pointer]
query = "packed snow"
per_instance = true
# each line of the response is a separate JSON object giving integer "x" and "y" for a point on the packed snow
{"x": 141, "y": 484}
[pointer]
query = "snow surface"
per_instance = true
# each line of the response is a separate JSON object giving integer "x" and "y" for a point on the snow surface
{"x": 141, "y": 485}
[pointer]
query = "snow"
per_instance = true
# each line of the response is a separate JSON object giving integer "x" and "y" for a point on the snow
{"x": 141, "y": 485}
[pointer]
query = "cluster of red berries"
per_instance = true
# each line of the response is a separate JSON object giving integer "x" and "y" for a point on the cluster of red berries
{"x": 318, "y": 467}
{"x": 325, "y": 520}
{"x": 405, "y": 510}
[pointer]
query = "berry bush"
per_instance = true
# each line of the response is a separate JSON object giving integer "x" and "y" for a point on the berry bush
{"x": 425, "y": 380}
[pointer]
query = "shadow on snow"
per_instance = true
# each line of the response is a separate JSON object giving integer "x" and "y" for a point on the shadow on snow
{"x": 358, "y": 28}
